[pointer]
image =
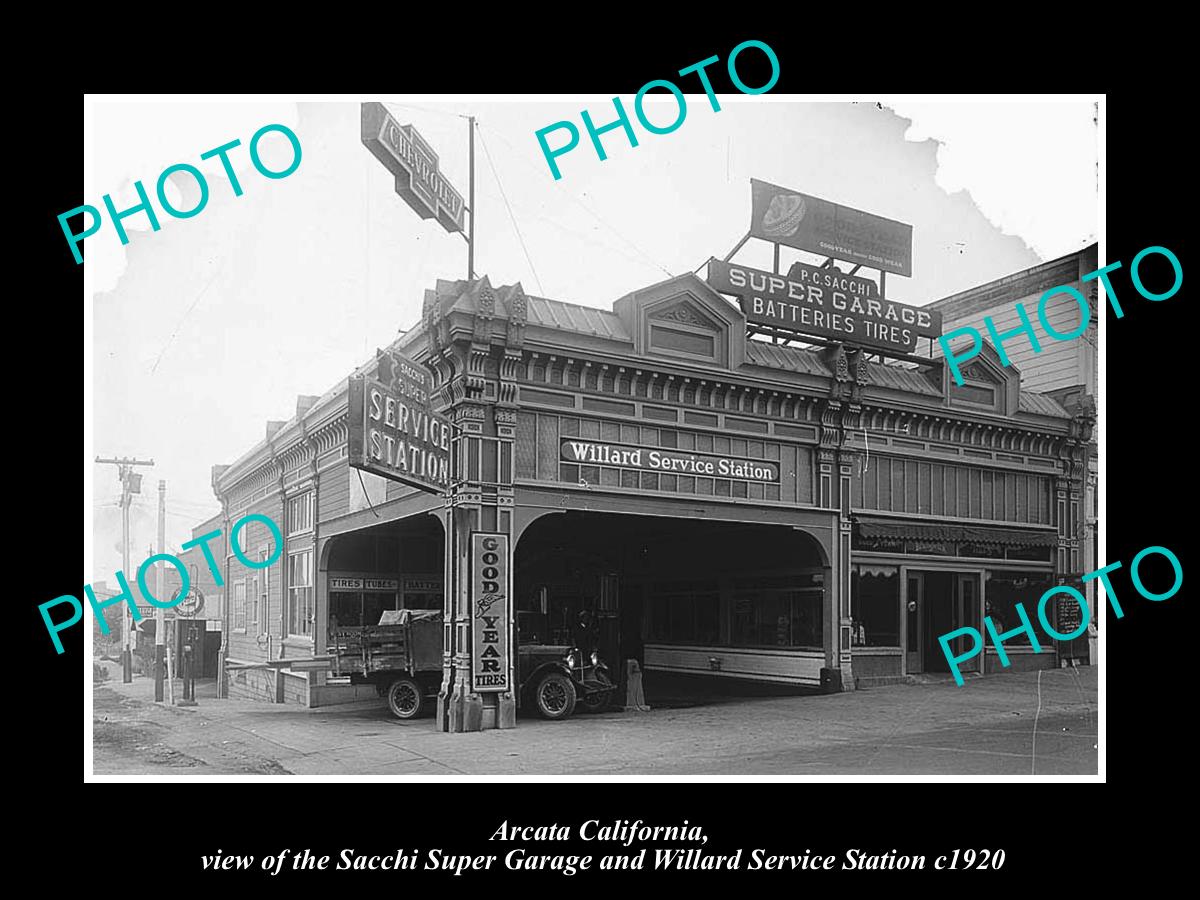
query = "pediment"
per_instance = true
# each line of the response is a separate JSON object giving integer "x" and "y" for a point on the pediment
{"x": 684, "y": 313}
{"x": 987, "y": 382}
{"x": 685, "y": 320}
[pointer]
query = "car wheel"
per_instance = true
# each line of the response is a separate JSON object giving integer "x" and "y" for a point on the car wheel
{"x": 555, "y": 696}
{"x": 596, "y": 701}
{"x": 404, "y": 698}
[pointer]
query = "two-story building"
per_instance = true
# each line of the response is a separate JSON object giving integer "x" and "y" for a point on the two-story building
{"x": 722, "y": 504}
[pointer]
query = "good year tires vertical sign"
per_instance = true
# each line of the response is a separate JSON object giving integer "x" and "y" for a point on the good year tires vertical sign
{"x": 489, "y": 612}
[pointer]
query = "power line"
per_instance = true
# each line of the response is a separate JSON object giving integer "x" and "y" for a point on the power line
{"x": 428, "y": 109}
{"x": 507, "y": 206}
{"x": 203, "y": 290}
{"x": 580, "y": 235}
{"x": 586, "y": 209}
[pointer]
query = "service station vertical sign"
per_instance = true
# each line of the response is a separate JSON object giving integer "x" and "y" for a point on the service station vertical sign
{"x": 489, "y": 612}
{"x": 394, "y": 432}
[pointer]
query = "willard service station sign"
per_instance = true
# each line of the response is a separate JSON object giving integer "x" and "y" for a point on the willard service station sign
{"x": 678, "y": 462}
{"x": 824, "y": 301}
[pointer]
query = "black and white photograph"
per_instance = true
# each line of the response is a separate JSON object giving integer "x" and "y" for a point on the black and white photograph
{"x": 682, "y": 433}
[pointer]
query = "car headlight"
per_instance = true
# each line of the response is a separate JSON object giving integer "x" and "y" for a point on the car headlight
{"x": 595, "y": 658}
{"x": 572, "y": 660}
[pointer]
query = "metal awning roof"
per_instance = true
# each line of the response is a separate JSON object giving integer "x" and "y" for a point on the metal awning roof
{"x": 871, "y": 527}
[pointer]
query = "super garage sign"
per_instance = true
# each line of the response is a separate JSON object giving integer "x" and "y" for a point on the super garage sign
{"x": 827, "y": 303}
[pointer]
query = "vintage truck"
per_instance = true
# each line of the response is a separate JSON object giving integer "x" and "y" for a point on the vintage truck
{"x": 402, "y": 657}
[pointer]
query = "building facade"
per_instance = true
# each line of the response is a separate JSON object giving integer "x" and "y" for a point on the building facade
{"x": 1065, "y": 371}
{"x": 721, "y": 504}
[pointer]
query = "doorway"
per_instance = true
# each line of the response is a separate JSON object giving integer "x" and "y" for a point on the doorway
{"x": 937, "y": 602}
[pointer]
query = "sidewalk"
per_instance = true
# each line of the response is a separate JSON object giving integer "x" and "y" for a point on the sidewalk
{"x": 1021, "y": 723}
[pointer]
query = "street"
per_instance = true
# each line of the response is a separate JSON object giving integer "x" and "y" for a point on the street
{"x": 1042, "y": 723}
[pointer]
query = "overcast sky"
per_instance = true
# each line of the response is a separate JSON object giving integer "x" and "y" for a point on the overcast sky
{"x": 214, "y": 324}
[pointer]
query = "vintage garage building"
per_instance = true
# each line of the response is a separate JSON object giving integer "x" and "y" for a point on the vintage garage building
{"x": 723, "y": 504}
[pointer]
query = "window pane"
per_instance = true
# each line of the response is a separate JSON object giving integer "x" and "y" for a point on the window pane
{"x": 299, "y": 513}
{"x": 345, "y": 609}
{"x": 875, "y": 606}
{"x": 684, "y": 612}
{"x": 1005, "y": 590}
{"x": 708, "y": 622}
{"x": 776, "y": 618}
{"x": 679, "y": 612}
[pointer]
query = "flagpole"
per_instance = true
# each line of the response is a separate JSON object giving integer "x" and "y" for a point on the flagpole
{"x": 471, "y": 202}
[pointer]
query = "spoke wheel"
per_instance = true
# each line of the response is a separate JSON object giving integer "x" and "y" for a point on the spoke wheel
{"x": 555, "y": 696}
{"x": 404, "y": 698}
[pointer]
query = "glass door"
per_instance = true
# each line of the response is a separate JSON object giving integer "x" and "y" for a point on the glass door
{"x": 967, "y": 616}
{"x": 913, "y": 603}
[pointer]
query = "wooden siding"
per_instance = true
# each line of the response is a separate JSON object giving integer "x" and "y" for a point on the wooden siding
{"x": 1061, "y": 363}
{"x": 894, "y": 484}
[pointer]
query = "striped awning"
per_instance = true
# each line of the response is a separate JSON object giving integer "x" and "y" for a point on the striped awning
{"x": 894, "y": 529}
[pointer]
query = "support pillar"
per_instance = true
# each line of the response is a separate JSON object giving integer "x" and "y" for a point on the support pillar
{"x": 478, "y": 383}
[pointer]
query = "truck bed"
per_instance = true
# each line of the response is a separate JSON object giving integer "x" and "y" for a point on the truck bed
{"x": 407, "y": 641}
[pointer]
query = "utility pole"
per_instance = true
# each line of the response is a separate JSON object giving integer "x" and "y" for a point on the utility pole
{"x": 131, "y": 483}
{"x": 160, "y": 614}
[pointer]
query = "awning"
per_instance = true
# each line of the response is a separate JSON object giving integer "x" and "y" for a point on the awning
{"x": 871, "y": 527}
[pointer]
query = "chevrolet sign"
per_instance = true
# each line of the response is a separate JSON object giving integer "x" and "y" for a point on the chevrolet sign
{"x": 406, "y": 155}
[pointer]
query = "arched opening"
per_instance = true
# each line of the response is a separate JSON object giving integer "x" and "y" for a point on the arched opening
{"x": 396, "y": 565}
{"x": 735, "y": 601}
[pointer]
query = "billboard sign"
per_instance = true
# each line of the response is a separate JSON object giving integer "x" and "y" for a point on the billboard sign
{"x": 784, "y": 216}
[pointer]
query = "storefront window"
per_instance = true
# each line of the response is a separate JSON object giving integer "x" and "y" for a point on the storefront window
{"x": 360, "y": 600}
{"x": 774, "y": 617}
{"x": 374, "y": 603}
{"x": 1005, "y": 590}
{"x": 423, "y": 593}
{"x": 875, "y": 606}
{"x": 685, "y": 612}
{"x": 345, "y": 609}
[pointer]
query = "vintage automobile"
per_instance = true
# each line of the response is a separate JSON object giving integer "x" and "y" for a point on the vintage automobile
{"x": 402, "y": 657}
{"x": 556, "y": 676}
